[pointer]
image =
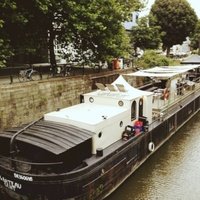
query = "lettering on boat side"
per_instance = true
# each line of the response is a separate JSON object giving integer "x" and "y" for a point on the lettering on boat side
{"x": 10, "y": 184}
{"x": 22, "y": 177}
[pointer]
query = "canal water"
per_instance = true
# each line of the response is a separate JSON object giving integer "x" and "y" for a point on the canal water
{"x": 172, "y": 173}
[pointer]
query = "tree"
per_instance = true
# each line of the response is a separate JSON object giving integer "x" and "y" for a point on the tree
{"x": 176, "y": 18}
{"x": 151, "y": 59}
{"x": 5, "y": 49}
{"x": 145, "y": 36}
{"x": 195, "y": 39}
{"x": 92, "y": 27}
{"x": 97, "y": 29}
{"x": 21, "y": 28}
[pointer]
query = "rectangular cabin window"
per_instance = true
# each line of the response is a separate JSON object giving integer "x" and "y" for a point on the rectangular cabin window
{"x": 133, "y": 110}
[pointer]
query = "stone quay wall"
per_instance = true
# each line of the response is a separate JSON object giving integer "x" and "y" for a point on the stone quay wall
{"x": 22, "y": 103}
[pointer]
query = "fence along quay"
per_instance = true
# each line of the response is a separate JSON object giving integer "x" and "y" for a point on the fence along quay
{"x": 108, "y": 136}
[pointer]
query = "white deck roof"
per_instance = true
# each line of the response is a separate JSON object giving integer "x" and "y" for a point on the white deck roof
{"x": 164, "y": 72}
{"x": 84, "y": 114}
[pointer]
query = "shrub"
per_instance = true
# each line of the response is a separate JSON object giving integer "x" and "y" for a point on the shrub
{"x": 152, "y": 59}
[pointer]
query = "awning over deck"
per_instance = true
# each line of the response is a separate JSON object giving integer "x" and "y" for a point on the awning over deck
{"x": 130, "y": 89}
{"x": 193, "y": 59}
{"x": 164, "y": 72}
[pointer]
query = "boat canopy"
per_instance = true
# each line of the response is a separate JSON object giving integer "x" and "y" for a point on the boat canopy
{"x": 130, "y": 89}
{"x": 120, "y": 89}
{"x": 50, "y": 136}
{"x": 164, "y": 72}
{"x": 192, "y": 59}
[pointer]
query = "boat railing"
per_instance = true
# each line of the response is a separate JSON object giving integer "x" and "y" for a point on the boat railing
{"x": 13, "y": 150}
{"x": 162, "y": 107}
{"x": 186, "y": 91}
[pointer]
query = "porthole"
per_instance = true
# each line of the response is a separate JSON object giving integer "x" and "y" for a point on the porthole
{"x": 91, "y": 100}
{"x": 100, "y": 134}
{"x": 121, "y": 124}
{"x": 120, "y": 103}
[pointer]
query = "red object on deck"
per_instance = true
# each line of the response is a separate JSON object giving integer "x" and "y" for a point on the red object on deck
{"x": 138, "y": 126}
{"x": 138, "y": 123}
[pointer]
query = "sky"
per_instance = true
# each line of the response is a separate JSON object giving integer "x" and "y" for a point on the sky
{"x": 194, "y": 4}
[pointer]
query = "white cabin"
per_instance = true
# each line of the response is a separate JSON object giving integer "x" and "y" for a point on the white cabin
{"x": 107, "y": 111}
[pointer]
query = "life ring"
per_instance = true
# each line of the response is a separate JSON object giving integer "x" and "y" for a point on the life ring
{"x": 151, "y": 146}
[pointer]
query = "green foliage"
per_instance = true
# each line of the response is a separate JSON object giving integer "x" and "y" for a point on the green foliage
{"x": 96, "y": 29}
{"x": 144, "y": 36}
{"x": 176, "y": 18}
{"x": 152, "y": 59}
{"x": 21, "y": 27}
{"x": 195, "y": 39}
{"x": 6, "y": 52}
{"x": 92, "y": 28}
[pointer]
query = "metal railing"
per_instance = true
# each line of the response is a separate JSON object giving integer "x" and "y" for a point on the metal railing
{"x": 163, "y": 107}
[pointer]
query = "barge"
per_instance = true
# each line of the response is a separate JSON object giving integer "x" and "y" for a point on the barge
{"x": 86, "y": 151}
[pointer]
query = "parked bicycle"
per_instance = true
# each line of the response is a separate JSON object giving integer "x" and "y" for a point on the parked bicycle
{"x": 60, "y": 70}
{"x": 29, "y": 74}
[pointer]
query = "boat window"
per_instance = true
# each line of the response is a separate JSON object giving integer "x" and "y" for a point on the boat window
{"x": 121, "y": 124}
{"x": 133, "y": 110}
{"x": 141, "y": 107}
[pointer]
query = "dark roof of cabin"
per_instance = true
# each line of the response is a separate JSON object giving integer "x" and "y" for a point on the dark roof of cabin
{"x": 193, "y": 59}
{"x": 53, "y": 137}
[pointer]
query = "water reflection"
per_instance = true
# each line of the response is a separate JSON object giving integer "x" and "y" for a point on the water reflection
{"x": 172, "y": 173}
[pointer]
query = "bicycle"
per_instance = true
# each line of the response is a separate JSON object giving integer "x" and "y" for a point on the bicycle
{"x": 29, "y": 75}
{"x": 60, "y": 70}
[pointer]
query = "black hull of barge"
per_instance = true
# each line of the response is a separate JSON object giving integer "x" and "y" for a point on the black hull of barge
{"x": 97, "y": 180}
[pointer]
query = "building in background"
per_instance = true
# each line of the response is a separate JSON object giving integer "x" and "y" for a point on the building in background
{"x": 128, "y": 25}
{"x": 181, "y": 50}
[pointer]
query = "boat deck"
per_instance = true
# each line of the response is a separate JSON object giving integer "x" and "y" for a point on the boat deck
{"x": 163, "y": 107}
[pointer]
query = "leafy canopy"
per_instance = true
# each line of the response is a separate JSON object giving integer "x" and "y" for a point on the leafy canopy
{"x": 93, "y": 28}
{"x": 5, "y": 49}
{"x": 151, "y": 59}
{"x": 195, "y": 40}
{"x": 145, "y": 36}
{"x": 176, "y": 18}
{"x": 96, "y": 28}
